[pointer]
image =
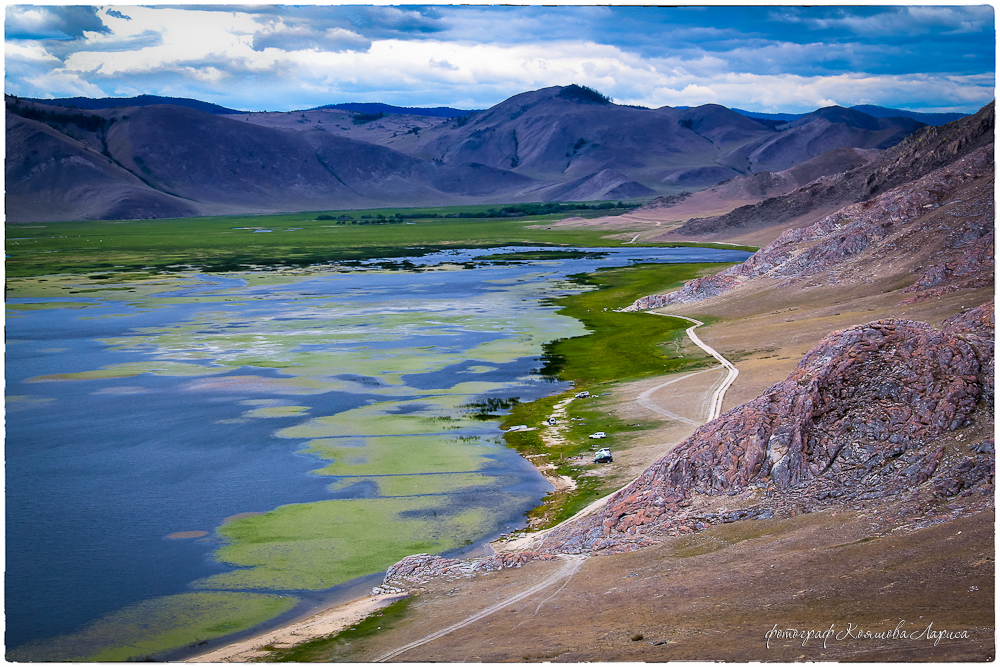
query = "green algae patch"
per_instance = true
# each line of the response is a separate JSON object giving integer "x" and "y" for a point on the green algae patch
{"x": 25, "y": 402}
{"x": 158, "y": 625}
{"x": 398, "y": 456}
{"x": 418, "y": 485}
{"x": 167, "y": 368}
{"x": 402, "y": 485}
{"x": 49, "y": 305}
{"x": 319, "y": 545}
{"x": 276, "y": 411}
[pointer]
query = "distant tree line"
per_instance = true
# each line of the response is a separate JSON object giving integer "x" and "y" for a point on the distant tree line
{"x": 361, "y": 117}
{"x": 509, "y": 211}
{"x": 84, "y": 121}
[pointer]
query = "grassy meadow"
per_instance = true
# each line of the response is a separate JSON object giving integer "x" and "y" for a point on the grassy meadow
{"x": 231, "y": 243}
{"x": 619, "y": 347}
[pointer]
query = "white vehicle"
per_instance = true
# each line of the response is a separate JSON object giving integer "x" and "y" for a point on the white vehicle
{"x": 583, "y": 394}
{"x": 603, "y": 456}
{"x": 552, "y": 421}
{"x": 598, "y": 435}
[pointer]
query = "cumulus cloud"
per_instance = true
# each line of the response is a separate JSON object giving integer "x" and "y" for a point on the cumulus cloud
{"x": 55, "y": 22}
{"x": 278, "y": 35}
{"x": 894, "y": 21}
{"x": 286, "y": 57}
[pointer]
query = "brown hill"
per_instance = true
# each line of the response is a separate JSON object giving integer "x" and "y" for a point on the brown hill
{"x": 562, "y": 133}
{"x": 935, "y": 234}
{"x": 854, "y": 422}
{"x": 167, "y": 161}
{"x": 560, "y": 143}
{"x": 817, "y": 133}
{"x": 918, "y": 154}
{"x": 50, "y": 176}
{"x": 752, "y": 188}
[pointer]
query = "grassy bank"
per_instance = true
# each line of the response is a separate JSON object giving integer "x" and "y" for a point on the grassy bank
{"x": 230, "y": 243}
{"x": 620, "y": 347}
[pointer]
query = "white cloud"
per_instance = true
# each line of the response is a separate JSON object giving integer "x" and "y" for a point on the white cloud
{"x": 34, "y": 53}
{"x": 254, "y": 60}
{"x": 64, "y": 84}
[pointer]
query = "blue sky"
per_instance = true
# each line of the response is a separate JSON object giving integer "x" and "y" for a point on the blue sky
{"x": 758, "y": 58}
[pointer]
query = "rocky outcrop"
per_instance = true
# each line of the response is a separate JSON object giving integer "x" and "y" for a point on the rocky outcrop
{"x": 857, "y": 420}
{"x": 866, "y": 229}
{"x": 421, "y": 568}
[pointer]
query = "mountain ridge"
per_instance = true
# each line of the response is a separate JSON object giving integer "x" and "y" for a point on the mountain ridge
{"x": 539, "y": 145}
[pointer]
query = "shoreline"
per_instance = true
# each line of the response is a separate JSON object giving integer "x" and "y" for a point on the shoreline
{"x": 334, "y": 619}
{"x": 321, "y": 624}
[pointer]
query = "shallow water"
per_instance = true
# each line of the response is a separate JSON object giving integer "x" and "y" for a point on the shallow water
{"x": 132, "y": 417}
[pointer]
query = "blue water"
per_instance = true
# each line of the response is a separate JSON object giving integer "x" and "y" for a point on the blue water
{"x": 100, "y": 471}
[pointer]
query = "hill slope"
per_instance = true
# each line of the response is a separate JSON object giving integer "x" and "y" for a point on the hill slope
{"x": 560, "y": 143}
{"x": 915, "y": 156}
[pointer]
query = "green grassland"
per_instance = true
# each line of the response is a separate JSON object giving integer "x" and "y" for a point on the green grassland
{"x": 620, "y": 347}
{"x": 230, "y": 243}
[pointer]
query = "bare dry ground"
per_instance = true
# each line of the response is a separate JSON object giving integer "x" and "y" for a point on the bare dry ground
{"x": 716, "y": 595}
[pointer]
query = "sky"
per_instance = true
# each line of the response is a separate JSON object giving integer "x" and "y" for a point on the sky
{"x": 789, "y": 59}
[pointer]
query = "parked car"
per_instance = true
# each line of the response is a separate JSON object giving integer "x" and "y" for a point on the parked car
{"x": 598, "y": 435}
{"x": 603, "y": 455}
{"x": 583, "y": 394}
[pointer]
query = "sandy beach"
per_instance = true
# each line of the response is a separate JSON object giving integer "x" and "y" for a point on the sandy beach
{"x": 326, "y": 622}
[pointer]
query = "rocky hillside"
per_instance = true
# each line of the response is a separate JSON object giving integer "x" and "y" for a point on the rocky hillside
{"x": 859, "y": 419}
{"x": 557, "y": 144}
{"x": 752, "y": 188}
{"x": 920, "y": 153}
{"x": 941, "y": 225}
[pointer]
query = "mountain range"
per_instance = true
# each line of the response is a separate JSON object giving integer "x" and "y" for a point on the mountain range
{"x": 569, "y": 143}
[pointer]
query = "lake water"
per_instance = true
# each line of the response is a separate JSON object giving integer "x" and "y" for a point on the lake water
{"x": 139, "y": 421}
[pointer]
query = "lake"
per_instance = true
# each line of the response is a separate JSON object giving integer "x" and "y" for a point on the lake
{"x": 191, "y": 456}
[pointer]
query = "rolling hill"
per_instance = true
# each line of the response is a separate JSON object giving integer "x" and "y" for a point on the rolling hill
{"x": 562, "y": 143}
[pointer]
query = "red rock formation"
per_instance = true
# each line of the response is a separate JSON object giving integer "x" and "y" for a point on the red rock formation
{"x": 853, "y": 422}
{"x": 420, "y": 568}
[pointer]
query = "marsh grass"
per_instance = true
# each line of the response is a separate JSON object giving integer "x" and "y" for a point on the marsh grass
{"x": 619, "y": 347}
{"x": 153, "y": 626}
{"x": 233, "y": 243}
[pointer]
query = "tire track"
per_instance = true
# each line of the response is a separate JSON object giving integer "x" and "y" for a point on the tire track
{"x": 715, "y": 405}
{"x": 645, "y": 398}
{"x": 570, "y": 566}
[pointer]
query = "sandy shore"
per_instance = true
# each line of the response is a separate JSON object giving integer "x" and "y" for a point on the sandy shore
{"x": 326, "y": 622}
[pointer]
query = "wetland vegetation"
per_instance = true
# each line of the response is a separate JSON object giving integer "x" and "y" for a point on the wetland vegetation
{"x": 234, "y": 243}
{"x": 388, "y": 386}
{"x": 618, "y": 347}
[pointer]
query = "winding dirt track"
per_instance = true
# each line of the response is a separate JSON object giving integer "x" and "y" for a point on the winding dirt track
{"x": 645, "y": 398}
{"x": 715, "y": 407}
{"x": 570, "y": 565}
